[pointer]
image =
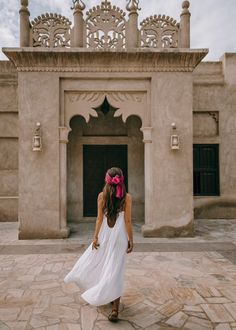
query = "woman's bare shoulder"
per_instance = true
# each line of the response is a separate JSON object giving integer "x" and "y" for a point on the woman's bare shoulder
{"x": 100, "y": 195}
{"x": 128, "y": 197}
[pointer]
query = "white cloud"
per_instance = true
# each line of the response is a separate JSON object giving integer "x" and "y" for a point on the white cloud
{"x": 213, "y": 21}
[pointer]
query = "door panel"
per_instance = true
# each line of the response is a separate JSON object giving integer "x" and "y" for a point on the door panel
{"x": 97, "y": 159}
{"x": 206, "y": 169}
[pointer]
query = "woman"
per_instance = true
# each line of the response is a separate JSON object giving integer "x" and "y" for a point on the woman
{"x": 100, "y": 270}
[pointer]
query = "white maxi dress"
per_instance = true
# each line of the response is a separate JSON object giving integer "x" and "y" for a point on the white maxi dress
{"x": 100, "y": 273}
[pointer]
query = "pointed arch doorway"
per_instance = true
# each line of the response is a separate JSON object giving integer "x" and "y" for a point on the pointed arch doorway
{"x": 103, "y": 142}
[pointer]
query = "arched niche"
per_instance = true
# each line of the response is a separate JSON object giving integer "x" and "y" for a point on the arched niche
{"x": 104, "y": 129}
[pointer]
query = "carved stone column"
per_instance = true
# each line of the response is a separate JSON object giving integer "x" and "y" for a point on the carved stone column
{"x": 132, "y": 33}
{"x": 63, "y": 136}
{"x": 185, "y": 26}
{"x": 148, "y": 179}
{"x": 24, "y": 24}
{"x": 78, "y": 24}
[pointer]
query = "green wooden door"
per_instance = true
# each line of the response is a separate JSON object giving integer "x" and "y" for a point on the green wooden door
{"x": 97, "y": 159}
{"x": 206, "y": 169}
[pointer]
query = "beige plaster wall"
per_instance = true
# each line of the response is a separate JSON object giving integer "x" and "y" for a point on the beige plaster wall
{"x": 8, "y": 143}
{"x": 171, "y": 99}
{"x": 171, "y": 170}
{"x": 215, "y": 90}
{"x": 39, "y": 180}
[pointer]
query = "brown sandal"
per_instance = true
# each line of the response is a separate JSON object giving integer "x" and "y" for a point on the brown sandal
{"x": 113, "y": 316}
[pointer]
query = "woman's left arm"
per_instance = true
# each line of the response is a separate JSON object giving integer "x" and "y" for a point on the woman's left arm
{"x": 98, "y": 221}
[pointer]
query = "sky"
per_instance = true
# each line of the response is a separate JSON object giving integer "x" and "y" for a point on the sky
{"x": 213, "y": 22}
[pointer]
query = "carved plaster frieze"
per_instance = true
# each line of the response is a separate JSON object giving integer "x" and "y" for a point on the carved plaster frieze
{"x": 126, "y": 103}
{"x": 103, "y": 69}
{"x": 124, "y": 97}
{"x": 82, "y": 103}
{"x": 83, "y": 96}
{"x": 67, "y": 60}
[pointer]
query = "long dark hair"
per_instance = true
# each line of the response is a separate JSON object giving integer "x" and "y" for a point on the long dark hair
{"x": 111, "y": 204}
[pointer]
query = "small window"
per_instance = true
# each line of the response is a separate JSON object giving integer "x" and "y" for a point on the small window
{"x": 206, "y": 169}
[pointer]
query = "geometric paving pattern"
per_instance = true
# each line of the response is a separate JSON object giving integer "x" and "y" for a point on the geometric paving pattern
{"x": 163, "y": 290}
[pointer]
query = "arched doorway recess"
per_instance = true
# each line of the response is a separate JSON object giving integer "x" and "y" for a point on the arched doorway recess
{"x": 130, "y": 98}
{"x": 103, "y": 141}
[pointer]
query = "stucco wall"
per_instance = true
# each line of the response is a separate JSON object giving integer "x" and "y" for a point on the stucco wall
{"x": 171, "y": 169}
{"x": 215, "y": 91}
{"x": 39, "y": 179}
{"x": 8, "y": 142}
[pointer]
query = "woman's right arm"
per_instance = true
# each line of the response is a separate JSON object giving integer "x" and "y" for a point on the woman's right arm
{"x": 128, "y": 221}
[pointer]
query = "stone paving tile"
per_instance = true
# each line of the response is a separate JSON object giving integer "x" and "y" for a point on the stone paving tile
{"x": 187, "y": 295}
{"x": 217, "y": 300}
{"x": 200, "y": 315}
{"x": 169, "y": 308}
{"x": 9, "y": 313}
{"x": 217, "y": 313}
{"x": 18, "y": 325}
{"x": 232, "y": 309}
{"x": 88, "y": 317}
{"x": 104, "y": 325}
{"x": 223, "y": 326}
{"x": 177, "y": 320}
{"x": 189, "y": 308}
{"x": 194, "y": 323}
{"x": 229, "y": 293}
{"x": 208, "y": 292}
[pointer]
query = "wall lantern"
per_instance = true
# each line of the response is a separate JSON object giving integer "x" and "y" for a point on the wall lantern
{"x": 174, "y": 138}
{"x": 37, "y": 138}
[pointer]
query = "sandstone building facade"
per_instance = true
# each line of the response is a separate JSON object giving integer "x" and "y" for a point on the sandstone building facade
{"x": 76, "y": 100}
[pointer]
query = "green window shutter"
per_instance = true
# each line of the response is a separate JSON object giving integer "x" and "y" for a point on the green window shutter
{"x": 206, "y": 169}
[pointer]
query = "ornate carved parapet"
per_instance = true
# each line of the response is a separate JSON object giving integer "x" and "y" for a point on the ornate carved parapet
{"x": 105, "y": 27}
{"x": 51, "y": 30}
{"x": 159, "y": 32}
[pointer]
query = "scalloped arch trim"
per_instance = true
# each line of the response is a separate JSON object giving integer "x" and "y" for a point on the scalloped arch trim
{"x": 46, "y": 16}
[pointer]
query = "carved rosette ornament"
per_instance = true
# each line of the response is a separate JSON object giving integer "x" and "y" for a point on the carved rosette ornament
{"x": 51, "y": 30}
{"x": 106, "y": 27}
{"x": 159, "y": 32}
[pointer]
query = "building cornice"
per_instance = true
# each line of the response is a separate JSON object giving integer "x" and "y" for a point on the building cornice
{"x": 90, "y": 60}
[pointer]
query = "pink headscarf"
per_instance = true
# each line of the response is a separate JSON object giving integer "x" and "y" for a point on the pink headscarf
{"x": 118, "y": 181}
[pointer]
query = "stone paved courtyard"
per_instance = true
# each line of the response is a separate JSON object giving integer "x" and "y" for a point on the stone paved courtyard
{"x": 185, "y": 283}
